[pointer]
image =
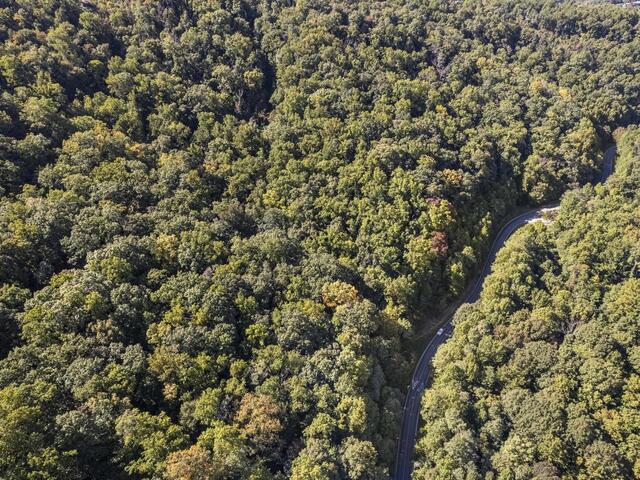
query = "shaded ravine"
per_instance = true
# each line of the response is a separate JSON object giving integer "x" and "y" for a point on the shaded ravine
{"x": 422, "y": 372}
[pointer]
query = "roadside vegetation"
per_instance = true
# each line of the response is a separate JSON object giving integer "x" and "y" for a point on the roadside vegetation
{"x": 541, "y": 378}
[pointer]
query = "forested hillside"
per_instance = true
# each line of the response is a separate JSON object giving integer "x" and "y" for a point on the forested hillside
{"x": 220, "y": 219}
{"x": 541, "y": 378}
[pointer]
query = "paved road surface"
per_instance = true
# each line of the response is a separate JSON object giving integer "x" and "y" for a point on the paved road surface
{"x": 411, "y": 413}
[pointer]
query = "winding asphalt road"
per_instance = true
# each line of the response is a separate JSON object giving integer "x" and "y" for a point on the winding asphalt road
{"x": 411, "y": 412}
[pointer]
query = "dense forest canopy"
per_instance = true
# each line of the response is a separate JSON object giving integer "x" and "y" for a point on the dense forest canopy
{"x": 220, "y": 219}
{"x": 541, "y": 378}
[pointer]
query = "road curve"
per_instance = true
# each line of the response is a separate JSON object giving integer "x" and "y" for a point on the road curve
{"x": 422, "y": 372}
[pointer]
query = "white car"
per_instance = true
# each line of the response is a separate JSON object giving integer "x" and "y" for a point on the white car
{"x": 440, "y": 332}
